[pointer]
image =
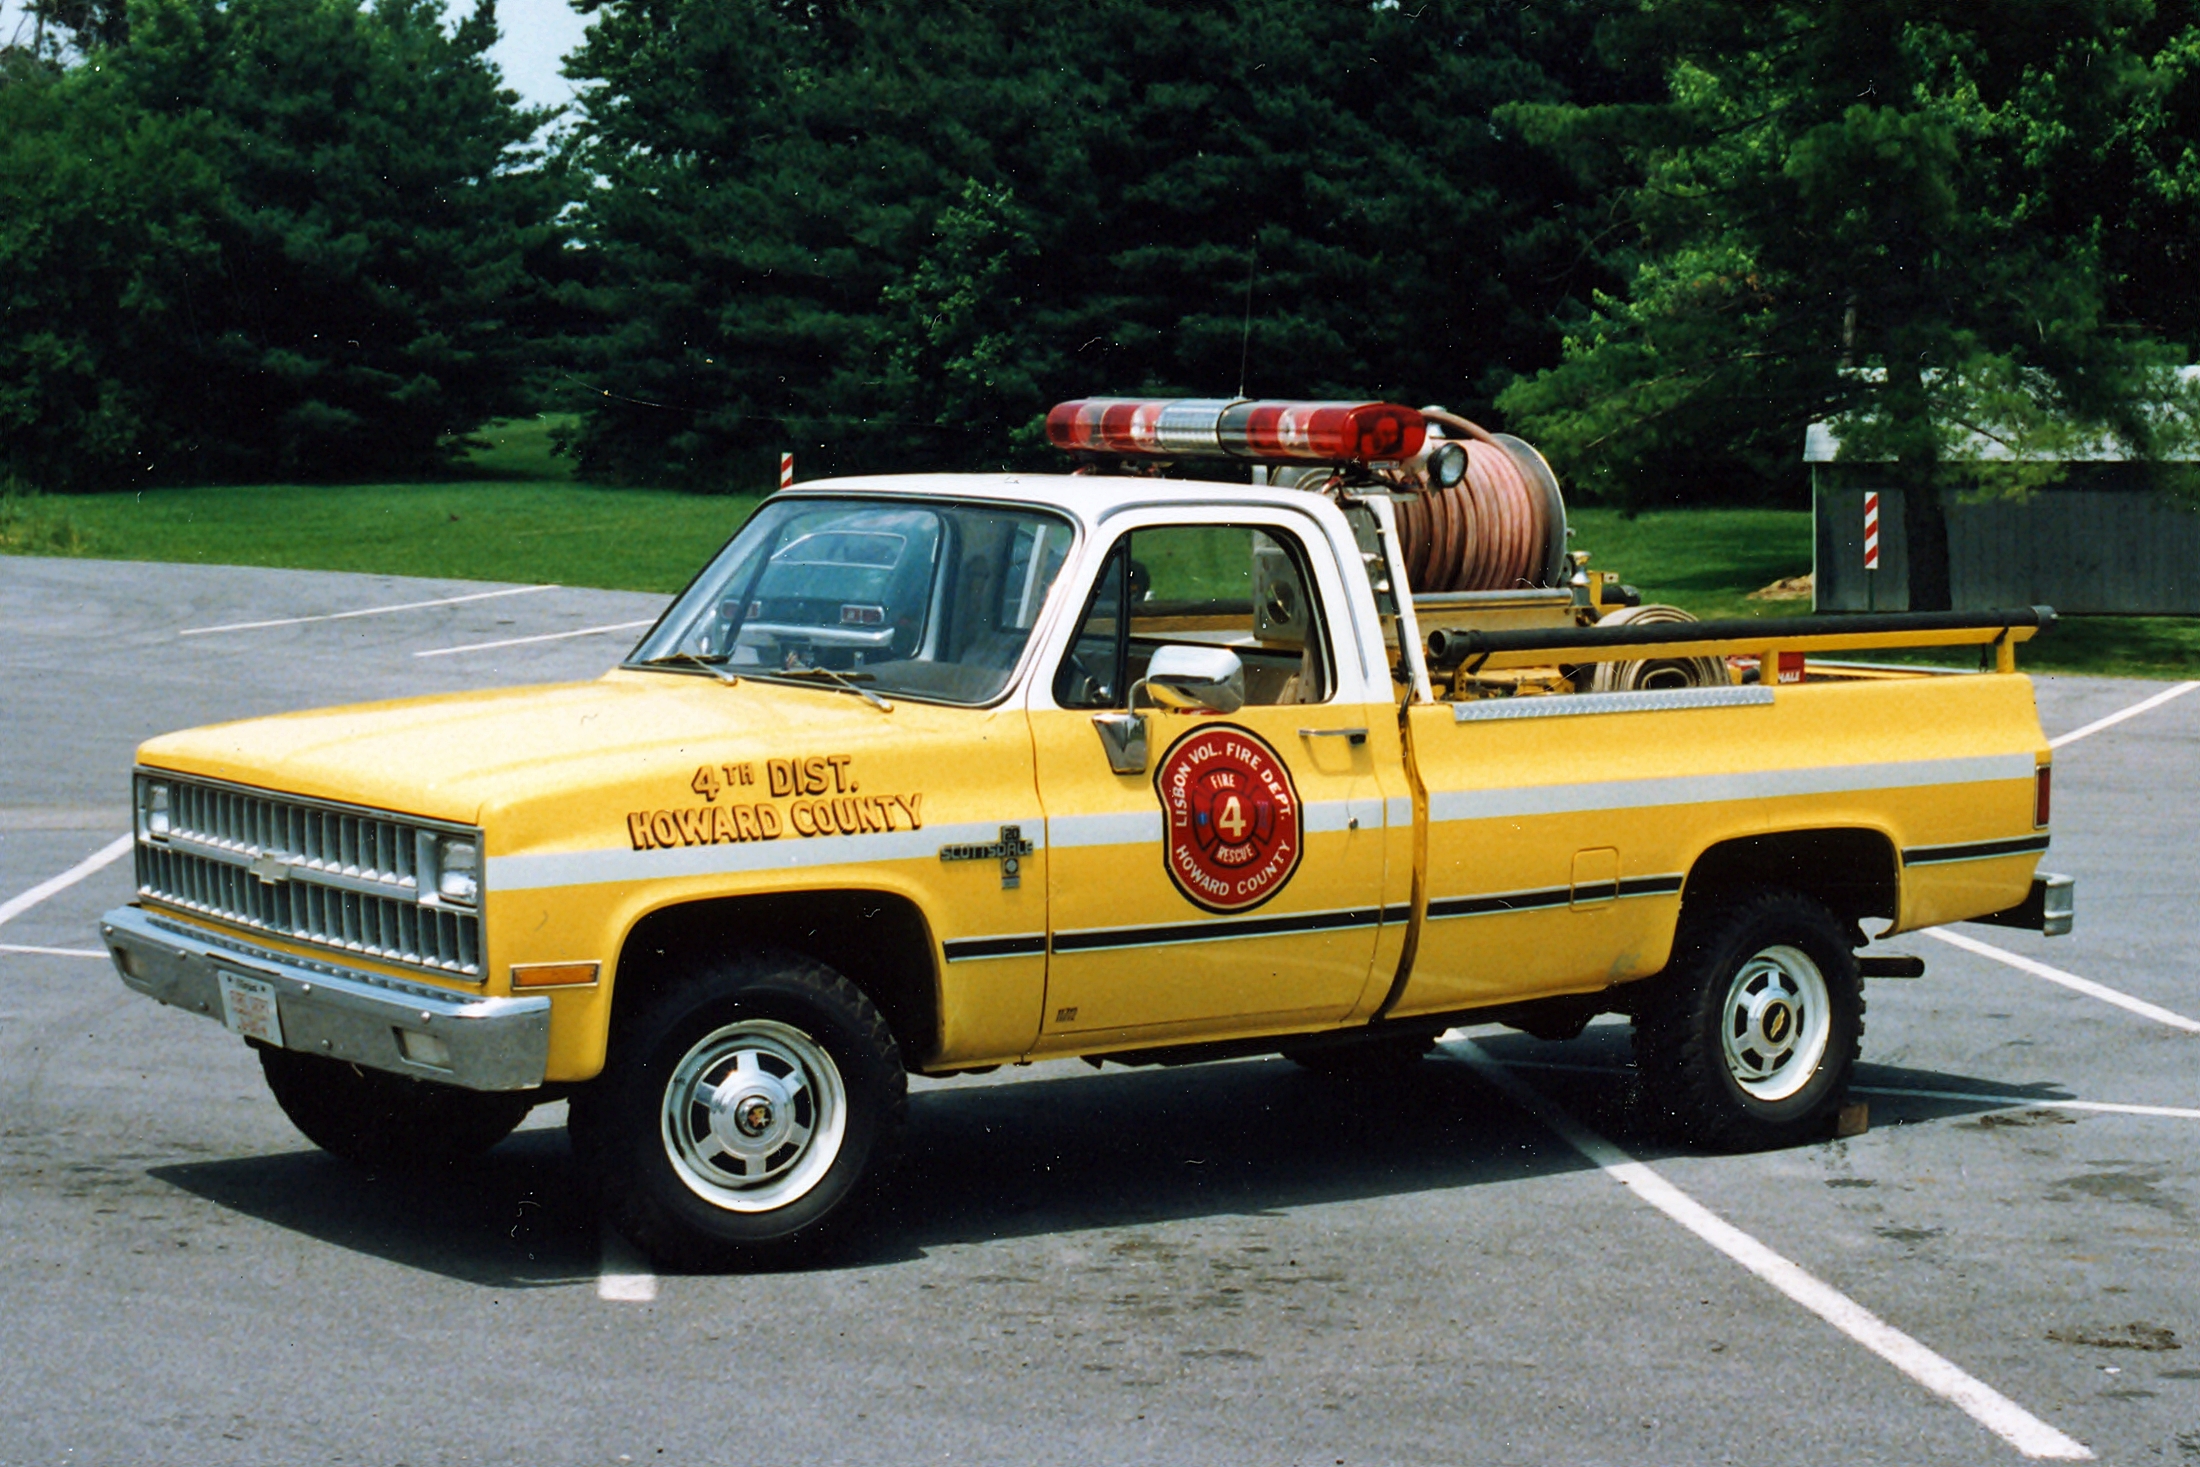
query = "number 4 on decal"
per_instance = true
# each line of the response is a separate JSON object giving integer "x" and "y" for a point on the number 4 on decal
{"x": 1231, "y": 817}
{"x": 706, "y": 783}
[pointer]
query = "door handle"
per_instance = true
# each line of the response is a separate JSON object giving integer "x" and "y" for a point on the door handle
{"x": 1357, "y": 736}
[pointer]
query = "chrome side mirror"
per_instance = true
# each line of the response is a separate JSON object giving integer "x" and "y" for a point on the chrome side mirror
{"x": 1180, "y": 678}
{"x": 1183, "y": 678}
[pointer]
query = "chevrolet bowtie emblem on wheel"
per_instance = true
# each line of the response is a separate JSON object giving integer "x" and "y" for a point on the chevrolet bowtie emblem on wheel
{"x": 1776, "y": 1023}
{"x": 1008, "y": 850}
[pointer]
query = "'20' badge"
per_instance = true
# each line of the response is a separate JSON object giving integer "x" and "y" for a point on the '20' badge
{"x": 1232, "y": 815}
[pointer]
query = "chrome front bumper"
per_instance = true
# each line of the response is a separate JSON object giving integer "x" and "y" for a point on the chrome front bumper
{"x": 480, "y": 1043}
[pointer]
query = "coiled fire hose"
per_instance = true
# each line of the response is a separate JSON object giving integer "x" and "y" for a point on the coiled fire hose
{"x": 1654, "y": 672}
{"x": 1501, "y": 527}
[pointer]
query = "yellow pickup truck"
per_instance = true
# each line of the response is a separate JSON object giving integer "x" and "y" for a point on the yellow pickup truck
{"x": 938, "y": 773}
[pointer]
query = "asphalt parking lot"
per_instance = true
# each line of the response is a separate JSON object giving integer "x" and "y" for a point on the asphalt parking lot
{"x": 1237, "y": 1263}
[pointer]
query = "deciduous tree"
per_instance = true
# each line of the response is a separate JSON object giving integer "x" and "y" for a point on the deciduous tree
{"x": 1882, "y": 213}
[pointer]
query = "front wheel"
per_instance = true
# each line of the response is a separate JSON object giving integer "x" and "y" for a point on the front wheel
{"x": 748, "y": 1119}
{"x": 1748, "y": 1039}
{"x": 387, "y": 1122}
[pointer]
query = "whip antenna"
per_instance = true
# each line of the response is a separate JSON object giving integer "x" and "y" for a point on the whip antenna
{"x": 1245, "y": 342}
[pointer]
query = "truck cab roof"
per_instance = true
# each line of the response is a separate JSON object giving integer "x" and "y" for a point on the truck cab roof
{"x": 1091, "y": 498}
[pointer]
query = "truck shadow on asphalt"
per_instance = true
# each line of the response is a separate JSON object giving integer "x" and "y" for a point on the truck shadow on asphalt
{"x": 1054, "y": 1156}
{"x": 514, "y": 1219}
{"x": 992, "y": 1158}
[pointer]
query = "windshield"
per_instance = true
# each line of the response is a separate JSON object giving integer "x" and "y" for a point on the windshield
{"x": 925, "y": 600}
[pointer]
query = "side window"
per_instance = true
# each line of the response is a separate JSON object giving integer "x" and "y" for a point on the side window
{"x": 1091, "y": 674}
{"x": 1232, "y": 586}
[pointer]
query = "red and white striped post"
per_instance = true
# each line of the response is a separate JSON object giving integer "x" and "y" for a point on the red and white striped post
{"x": 1871, "y": 529}
{"x": 786, "y": 472}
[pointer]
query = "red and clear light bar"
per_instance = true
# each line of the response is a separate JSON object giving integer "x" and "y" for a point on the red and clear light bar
{"x": 1211, "y": 427}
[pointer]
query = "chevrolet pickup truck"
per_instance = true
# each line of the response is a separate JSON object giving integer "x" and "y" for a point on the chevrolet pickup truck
{"x": 938, "y": 773}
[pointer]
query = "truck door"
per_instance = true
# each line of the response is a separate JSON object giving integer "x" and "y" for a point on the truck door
{"x": 1235, "y": 883}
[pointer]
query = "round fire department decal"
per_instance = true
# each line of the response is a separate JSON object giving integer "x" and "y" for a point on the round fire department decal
{"x": 1233, "y": 818}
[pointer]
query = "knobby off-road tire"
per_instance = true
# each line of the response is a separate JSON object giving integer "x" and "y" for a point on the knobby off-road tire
{"x": 1748, "y": 1038}
{"x": 747, "y": 1120}
{"x": 385, "y": 1122}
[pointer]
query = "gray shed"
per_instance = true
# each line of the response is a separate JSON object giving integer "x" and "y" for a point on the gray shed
{"x": 2105, "y": 540}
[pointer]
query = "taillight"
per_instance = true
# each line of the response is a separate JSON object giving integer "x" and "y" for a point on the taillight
{"x": 2043, "y": 783}
{"x": 862, "y": 616}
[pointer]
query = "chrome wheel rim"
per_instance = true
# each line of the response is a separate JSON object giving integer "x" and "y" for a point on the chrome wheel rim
{"x": 1776, "y": 1022}
{"x": 754, "y": 1116}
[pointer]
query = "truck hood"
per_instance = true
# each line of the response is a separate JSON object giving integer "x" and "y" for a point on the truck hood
{"x": 463, "y": 756}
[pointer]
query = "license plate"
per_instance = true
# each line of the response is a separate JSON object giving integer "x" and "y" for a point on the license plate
{"x": 248, "y": 1007}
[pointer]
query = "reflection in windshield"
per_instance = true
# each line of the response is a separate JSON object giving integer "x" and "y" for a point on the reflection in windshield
{"x": 841, "y": 547}
{"x": 931, "y": 600}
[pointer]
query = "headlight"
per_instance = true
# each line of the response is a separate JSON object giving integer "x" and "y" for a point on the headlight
{"x": 458, "y": 870}
{"x": 156, "y": 810}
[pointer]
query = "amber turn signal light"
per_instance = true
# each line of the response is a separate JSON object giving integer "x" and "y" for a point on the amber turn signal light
{"x": 553, "y": 975}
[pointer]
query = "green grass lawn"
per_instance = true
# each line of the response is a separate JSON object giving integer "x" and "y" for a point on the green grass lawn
{"x": 1705, "y": 561}
{"x": 620, "y": 539}
{"x": 517, "y": 516}
{"x": 1708, "y": 561}
{"x": 520, "y": 448}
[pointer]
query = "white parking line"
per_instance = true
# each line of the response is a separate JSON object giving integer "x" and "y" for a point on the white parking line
{"x": 1976, "y": 1399}
{"x": 624, "y": 626}
{"x": 625, "y": 1276}
{"x": 2106, "y": 1107}
{"x": 106, "y": 855}
{"x": 2172, "y": 1112}
{"x": 2118, "y": 717}
{"x": 2085, "y": 986}
{"x": 52, "y": 952}
{"x": 292, "y": 621}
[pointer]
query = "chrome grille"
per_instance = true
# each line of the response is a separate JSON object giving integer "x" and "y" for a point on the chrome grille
{"x": 336, "y": 877}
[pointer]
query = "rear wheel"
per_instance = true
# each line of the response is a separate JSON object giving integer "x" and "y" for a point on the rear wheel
{"x": 1749, "y": 1037}
{"x": 387, "y": 1122}
{"x": 748, "y": 1119}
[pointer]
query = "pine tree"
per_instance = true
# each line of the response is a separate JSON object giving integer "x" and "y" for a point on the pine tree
{"x": 890, "y": 235}
{"x": 319, "y": 253}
